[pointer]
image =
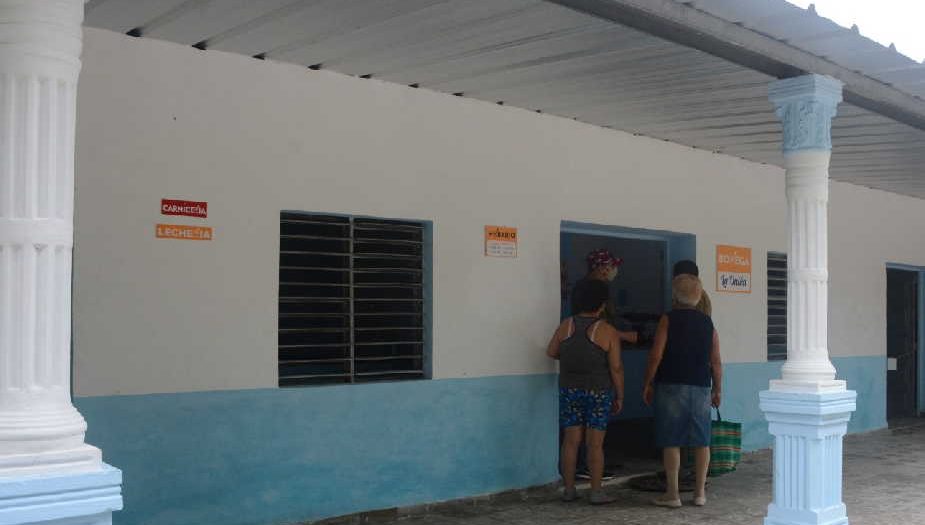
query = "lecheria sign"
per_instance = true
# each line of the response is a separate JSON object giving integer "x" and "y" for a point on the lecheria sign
{"x": 733, "y": 269}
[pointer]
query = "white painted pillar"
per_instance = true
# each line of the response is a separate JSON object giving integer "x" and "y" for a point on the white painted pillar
{"x": 40, "y": 45}
{"x": 42, "y": 449}
{"x": 808, "y": 409}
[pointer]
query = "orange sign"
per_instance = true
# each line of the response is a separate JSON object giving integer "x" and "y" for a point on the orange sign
{"x": 180, "y": 231}
{"x": 733, "y": 269}
{"x": 500, "y": 241}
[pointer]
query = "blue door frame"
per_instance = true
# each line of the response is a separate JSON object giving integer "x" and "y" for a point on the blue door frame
{"x": 677, "y": 246}
{"x": 921, "y": 329}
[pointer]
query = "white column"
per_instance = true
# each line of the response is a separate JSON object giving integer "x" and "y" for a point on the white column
{"x": 806, "y": 105}
{"x": 40, "y": 430}
{"x": 48, "y": 475}
{"x": 808, "y": 409}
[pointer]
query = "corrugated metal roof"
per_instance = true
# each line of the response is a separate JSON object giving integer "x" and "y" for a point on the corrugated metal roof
{"x": 541, "y": 56}
{"x": 806, "y": 30}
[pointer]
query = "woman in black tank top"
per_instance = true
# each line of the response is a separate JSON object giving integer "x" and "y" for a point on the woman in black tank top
{"x": 684, "y": 377}
{"x": 590, "y": 384}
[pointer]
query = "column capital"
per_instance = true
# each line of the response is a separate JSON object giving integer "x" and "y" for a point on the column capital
{"x": 806, "y": 106}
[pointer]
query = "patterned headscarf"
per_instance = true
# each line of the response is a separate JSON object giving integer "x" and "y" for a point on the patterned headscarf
{"x": 602, "y": 257}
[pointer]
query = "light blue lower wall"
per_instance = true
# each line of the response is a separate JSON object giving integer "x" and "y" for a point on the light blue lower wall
{"x": 259, "y": 457}
{"x": 742, "y": 382}
{"x": 280, "y": 456}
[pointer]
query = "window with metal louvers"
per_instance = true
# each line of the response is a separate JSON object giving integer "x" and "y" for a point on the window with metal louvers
{"x": 351, "y": 299}
{"x": 777, "y": 306}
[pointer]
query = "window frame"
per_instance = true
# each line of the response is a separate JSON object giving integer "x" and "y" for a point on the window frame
{"x": 345, "y": 369}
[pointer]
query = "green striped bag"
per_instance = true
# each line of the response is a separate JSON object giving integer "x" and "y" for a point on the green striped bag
{"x": 725, "y": 446}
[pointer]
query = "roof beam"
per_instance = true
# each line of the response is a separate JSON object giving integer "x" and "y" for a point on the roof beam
{"x": 690, "y": 27}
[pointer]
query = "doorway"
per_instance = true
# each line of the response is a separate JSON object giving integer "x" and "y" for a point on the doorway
{"x": 641, "y": 293}
{"x": 903, "y": 325}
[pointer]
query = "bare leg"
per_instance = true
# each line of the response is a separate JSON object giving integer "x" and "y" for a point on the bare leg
{"x": 702, "y": 458}
{"x": 671, "y": 457}
{"x": 594, "y": 443}
{"x": 569, "y": 455}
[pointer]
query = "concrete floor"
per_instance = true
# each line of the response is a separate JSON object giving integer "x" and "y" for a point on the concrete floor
{"x": 884, "y": 473}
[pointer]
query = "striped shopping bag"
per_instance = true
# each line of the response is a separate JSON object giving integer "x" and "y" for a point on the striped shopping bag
{"x": 725, "y": 446}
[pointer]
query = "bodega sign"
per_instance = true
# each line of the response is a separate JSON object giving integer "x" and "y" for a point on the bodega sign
{"x": 733, "y": 269}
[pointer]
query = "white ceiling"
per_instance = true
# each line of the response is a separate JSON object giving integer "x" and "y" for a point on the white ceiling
{"x": 541, "y": 56}
{"x": 821, "y": 37}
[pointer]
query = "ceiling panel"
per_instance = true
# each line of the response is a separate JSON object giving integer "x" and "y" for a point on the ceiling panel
{"x": 541, "y": 56}
{"x": 125, "y": 15}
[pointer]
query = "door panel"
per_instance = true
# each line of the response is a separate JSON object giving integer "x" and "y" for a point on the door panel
{"x": 902, "y": 342}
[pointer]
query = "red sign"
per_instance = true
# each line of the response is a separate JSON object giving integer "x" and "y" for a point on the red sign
{"x": 187, "y": 208}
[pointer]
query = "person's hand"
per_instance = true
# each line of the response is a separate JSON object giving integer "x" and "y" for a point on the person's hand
{"x": 648, "y": 394}
{"x": 716, "y": 398}
{"x": 632, "y": 338}
{"x": 617, "y": 406}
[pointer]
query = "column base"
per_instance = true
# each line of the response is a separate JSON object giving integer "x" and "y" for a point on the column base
{"x": 85, "y": 458}
{"x": 820, "y": 370}
{"x": 834, "y": 516}
{"x": 87, "y": 498}
{"x": 808, "y": 387}
{"x": 808, "y": 425}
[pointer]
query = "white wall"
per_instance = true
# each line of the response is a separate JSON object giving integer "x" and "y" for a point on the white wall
{"x": 159, "y": 120}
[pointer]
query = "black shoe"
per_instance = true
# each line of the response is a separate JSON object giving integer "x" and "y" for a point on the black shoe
{"x": 609, "y": 474}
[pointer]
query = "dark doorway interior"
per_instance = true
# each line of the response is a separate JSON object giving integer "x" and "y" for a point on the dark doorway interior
{"x": 641, "y": 293}
{"x": 902, "y": 343}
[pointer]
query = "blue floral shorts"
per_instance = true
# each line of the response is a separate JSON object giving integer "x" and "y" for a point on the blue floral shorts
{"x": 579, "y": 407}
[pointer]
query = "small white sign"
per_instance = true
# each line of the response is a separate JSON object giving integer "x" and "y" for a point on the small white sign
{"x": 734, "y": 282}
{"x": 892, "y": 363}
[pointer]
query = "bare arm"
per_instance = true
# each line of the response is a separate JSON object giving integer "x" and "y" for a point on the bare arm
{"x": 658, "y": 349}
{"x": 716, "y": 365}
{"x": 615, "y": 361}
{"x": 630, "y": 337}
{"x": 552, "y": 350}
{"x": 655, "y": 357}
{"x": 608, "y": 338}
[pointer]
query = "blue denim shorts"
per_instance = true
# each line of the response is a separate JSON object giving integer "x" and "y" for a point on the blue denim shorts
{"x": 682, "y": 415}
{"x": 579, "y": 407}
